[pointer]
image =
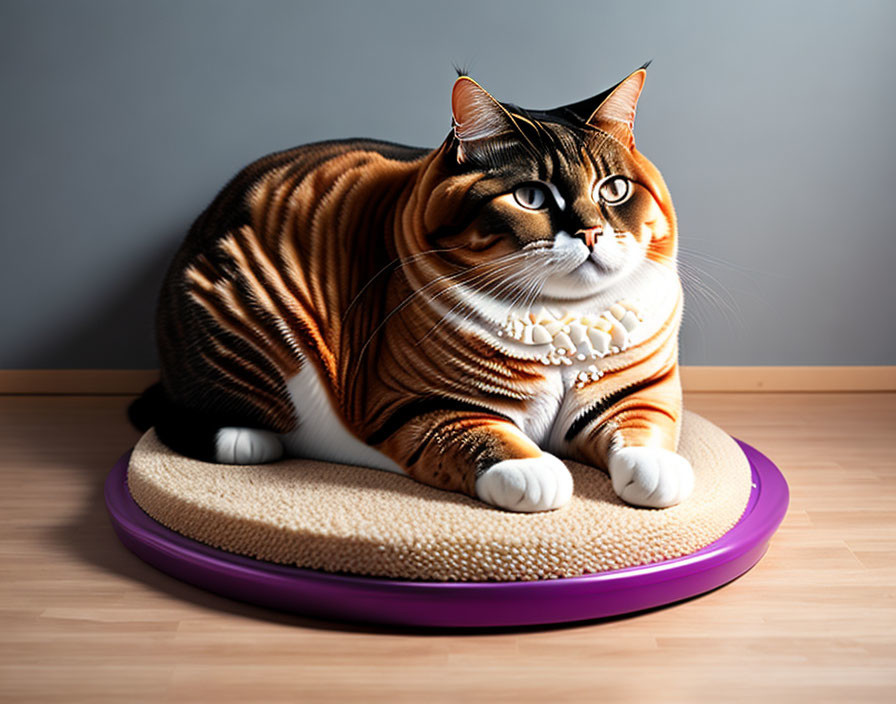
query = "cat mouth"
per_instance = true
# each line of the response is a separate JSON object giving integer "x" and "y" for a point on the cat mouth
{"x": 577, "y": 259}
{"x": 576, "y": 270}
{"x": 588, "y": 266}
{"x": 601, "y": 267}
{"x": 572, "y": 259}
{"x": 586, "y": 279}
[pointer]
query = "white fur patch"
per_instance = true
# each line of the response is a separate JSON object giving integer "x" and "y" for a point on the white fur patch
{"x": 526, "y": 485}
{"x": 650, "y": 476}
{"x": 321, "y": 434}
{"x": 247, "y": 446}
{"x": 558, "y": 199}
{"x": 536, "y": 417}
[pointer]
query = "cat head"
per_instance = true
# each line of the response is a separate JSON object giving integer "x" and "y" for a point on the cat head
{"x": 560, "y": 198}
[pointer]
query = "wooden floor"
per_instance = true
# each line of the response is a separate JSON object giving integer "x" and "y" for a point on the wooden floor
{"x": 82, "y": 619}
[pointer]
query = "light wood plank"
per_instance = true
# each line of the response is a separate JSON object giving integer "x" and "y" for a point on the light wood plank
{"x": 787, "y": 379}
{"x": 83, "y": 620}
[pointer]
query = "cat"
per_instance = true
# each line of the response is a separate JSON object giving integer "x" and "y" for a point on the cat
{"x": 465, "y": 315}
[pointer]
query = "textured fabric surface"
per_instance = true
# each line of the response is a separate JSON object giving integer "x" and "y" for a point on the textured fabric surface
{"x": 355, "y": 520}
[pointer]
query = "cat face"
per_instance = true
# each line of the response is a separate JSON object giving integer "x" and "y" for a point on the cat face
{"x": 560, "y": 200}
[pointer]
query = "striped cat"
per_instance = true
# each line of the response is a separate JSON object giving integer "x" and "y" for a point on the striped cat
{"x": 465, "y": 315}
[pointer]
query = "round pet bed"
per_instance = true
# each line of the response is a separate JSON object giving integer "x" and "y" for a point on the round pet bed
{"x": 352, "y": 543}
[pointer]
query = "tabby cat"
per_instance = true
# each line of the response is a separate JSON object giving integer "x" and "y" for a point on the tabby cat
{"x": 464, "y": 316}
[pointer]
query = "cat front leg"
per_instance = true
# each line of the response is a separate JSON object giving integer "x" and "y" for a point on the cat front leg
{"x": 483, "y": 456}
{"x": 654, "y": 477}
{"x": 526, "y": 485}
{"x": 635, "y": 437}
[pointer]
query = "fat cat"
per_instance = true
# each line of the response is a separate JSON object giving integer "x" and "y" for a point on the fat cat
{"x": 466, "y": 315}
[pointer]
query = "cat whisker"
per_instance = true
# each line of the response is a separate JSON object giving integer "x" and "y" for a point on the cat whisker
{"x": 409, "y": 299}
{"x": 701, "y": 284}
{"x": 501, "y": 287}
{"x": 395, "y": 263}
{"x": 524, "y": 287}
{"x": 686, "y": 253}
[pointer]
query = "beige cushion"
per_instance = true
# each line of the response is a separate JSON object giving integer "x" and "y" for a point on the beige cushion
{"x": 339, "y": 518}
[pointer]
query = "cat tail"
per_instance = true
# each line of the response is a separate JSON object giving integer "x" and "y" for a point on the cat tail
{"x": 201, "y": 435}
{"x": 187, "y": 432}
{"x": 147, "y": 408}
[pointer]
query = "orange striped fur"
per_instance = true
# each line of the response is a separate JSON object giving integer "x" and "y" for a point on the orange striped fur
{"x": 398, "y": 275}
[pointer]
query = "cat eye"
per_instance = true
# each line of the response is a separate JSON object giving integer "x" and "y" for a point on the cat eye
{"x": 612, "y": 190}
{"x": 530, "y": 196}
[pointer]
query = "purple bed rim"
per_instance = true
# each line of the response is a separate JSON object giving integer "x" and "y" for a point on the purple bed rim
{"x": 456, "y": 604}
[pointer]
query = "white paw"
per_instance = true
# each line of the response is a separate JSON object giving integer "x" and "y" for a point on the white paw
{"x": 650, "y": 476}
{"x": 247, "y": 446}
{"x": 527, "y": 485}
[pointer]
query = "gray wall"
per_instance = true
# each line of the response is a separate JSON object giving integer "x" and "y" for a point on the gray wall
{"x": 773, "y": 123}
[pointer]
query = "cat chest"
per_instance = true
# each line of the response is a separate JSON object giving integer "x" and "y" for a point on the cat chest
{"x": 538, "y": 414}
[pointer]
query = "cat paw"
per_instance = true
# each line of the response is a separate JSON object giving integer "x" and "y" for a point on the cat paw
{"x": 247, "y": 446}
{"x": 526, "y": 485}
{"x": 650, "y": 476}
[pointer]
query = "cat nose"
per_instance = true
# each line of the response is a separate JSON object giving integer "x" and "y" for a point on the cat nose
{"x": 589, "y": 235}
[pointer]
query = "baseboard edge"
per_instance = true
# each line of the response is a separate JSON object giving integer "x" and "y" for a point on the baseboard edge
{"x": 695, "y": 379}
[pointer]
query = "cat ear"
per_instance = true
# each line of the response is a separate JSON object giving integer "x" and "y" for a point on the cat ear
{"x": 616, "y": 112}
{"x": 475, "y": 114}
